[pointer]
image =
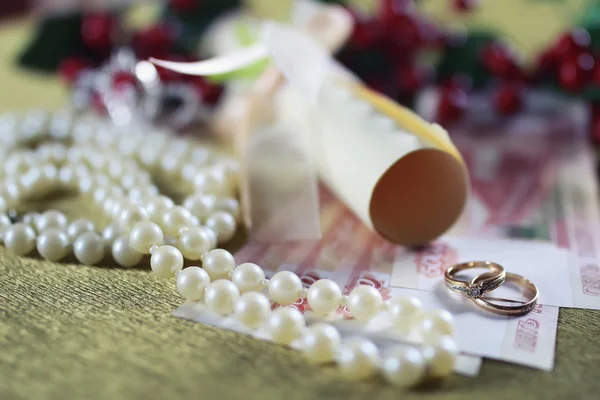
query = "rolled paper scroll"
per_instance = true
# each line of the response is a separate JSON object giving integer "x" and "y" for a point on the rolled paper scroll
{"x": 401, "y": 175}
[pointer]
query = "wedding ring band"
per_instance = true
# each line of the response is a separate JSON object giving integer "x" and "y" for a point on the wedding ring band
{"x": 522, "y": 309}
{"x": 479, "y": 285}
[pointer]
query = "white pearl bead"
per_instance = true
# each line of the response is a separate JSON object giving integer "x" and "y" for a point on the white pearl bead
{"x": 228, "y": 205}
{"x": 324, "y": 296}
{"x": 51, "y": 219}
{"x": 285, "y": 324}
{"x": 3, "y": 205}
{"x": 30, "y": 218}
{"x": 193, "y": 242}
{"x": 435, "y": 324}
{"x": 248, "y": 277}
{"x": 166, "y": 261}
{"x": 144, "y": 235}
{"x": 89, "y": 248}
{"x": 15, "y": 164}
{"x": 156, "y": 207}
{"x": 12, "y": 190}
{"x": 404, "y": 311}
{"x": 212, "y": 237}
{"x": 252, "y": 309}
{"x": 441, "y": 357}
{"x": 211, "y": 181}
{"x": 79, "y": 227}
{"x": 200, "y": 205}
{"x": 174, "y": 219}
{"x": 321, "y": 343}
{"x": 285, "y": 287}
{"x": 221, "y": 296}
{"x": 110, "y": 233}
{"x": 67, "y": 178}
{"x": 405, "y": 367}
{"x": 131, "y": 215}
{"x": 5, "y": 222}
{"x": 358, "y": 359}
{"x": 223, "y": 224}
{"x": 218, "y": 263}
{"x": 123, "y": 254}
{"x": 53, "y": 244}
{"x": 192, "y": 282}
{"x": 364, "y": 302}
{"x": 19, "y": 239}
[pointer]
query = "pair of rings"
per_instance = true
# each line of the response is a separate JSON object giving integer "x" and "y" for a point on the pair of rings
{"x": 486, "y": 282}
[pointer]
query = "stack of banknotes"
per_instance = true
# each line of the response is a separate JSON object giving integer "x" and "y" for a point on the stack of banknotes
{"x": 533, "y": 209}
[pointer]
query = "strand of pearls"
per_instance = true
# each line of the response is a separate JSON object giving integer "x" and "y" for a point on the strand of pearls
{"x": 116, "y": 170}
{"x": 243, "y": 293}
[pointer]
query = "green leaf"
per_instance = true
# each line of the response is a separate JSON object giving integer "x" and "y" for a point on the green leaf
{"x": 590, "y": 14}
{"x": 57, "y": 37}
{"x": 590, "y": 20}
{"x": 246, "y": 37}
{"x": 465, "y": 58}
{"x": 195, "y": 22}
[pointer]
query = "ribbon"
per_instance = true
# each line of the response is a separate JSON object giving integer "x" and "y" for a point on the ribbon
{"x": 279, "y": 184}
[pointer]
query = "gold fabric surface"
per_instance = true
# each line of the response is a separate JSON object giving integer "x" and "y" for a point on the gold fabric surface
{"x": 75, "y": 332}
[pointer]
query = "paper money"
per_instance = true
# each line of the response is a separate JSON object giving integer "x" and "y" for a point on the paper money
{"x": 548, "y": 266}
{"x": 533, "y": 177}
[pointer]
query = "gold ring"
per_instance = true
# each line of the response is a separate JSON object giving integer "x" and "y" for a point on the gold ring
{"x": 481, "y": 284}
{"x": 524, "y": 306}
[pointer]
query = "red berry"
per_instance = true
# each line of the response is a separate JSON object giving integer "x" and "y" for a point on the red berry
{"x": 509, "y": 97}
{"x": 208, "y": 92}
{"x": 572, "y": 43}
{"x": 406, "y": 33}
{"x": 595, "y": 124}
{"x": 575, "y": 73}
{"x": 156, "y": 38}
{"x": 123, "y": 79}
{"x": 452, "y": 105}
{"x": 465, "y": 5}
{"x": 390, "y": 9}
{"x": 184, "y": 5}
{"x": 500, "y": 61}
{"x": 546, "y": 63}
{"x": 596, "y": 76}
{"x": 462, "y": 81}
{"x": 411, "y": 78}
{"x": 98, "y": 30}
{"x": 70, "y": 68}
{"x": 366, "y": 34}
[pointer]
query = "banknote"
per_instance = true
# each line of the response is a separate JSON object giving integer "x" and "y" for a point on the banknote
{"x": 534, "y": 178}
{"x": 351, "y": 254}
{"x": 545, "y": 264}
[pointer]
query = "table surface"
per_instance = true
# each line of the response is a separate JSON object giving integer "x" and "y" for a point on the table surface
{"x": 73, "y": 332}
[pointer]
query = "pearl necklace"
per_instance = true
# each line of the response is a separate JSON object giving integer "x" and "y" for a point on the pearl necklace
{"x": 115, "y": 170}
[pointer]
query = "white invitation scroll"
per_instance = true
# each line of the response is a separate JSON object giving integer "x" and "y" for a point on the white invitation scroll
{"x": 401, "y": 175}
